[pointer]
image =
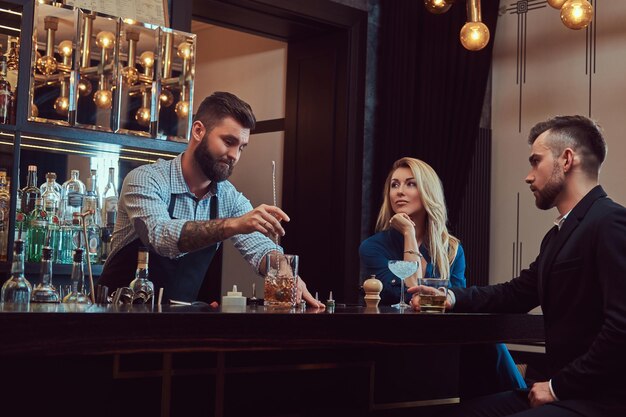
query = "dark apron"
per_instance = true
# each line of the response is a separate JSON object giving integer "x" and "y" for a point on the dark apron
{"x": 180, "y": 278}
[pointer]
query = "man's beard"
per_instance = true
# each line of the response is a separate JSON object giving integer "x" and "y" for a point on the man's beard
{"x": 214, "y": 169}
{"x": 546, "y": 198}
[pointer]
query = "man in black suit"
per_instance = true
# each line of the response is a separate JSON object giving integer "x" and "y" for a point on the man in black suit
{"x": 579, "y": 279}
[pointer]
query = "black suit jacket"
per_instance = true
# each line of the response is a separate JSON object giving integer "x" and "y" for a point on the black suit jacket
{"x": 579, "y": 279}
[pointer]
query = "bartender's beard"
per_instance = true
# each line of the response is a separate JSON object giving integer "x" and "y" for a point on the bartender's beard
{"x": 214, "y": 169}
{"x": 546, "y": 198}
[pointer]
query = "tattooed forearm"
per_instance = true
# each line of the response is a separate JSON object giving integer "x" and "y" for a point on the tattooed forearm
{"x": 200, "y": 234}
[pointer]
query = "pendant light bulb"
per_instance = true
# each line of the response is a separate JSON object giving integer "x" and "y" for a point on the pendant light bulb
{"x": 61, "y": 106}
{"x": 576, "y": 14}
{"x": 103, "y": 99}
{"x": 143, "y": 116}
{"x": 84, "y": 87}
{"x": 474, "y": 36}
{"x": 438, "y": 6}
{"x": 182, "y": 109}
{"x": 166, "y": 97}
{"x": 557, "y": 4}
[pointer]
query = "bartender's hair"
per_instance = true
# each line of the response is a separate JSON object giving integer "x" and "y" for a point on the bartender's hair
{"x": 442, "y": 246}
{"x": 221, "y": 105}
{"x": 580, "y": 133}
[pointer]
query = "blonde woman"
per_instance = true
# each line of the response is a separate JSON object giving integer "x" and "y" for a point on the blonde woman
{"x": 411, "y": 226}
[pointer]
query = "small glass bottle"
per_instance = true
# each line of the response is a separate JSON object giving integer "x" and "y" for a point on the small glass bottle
{"x": 51, "y": 194}
{"x": 110, "y": 198}
{"x": 31, "y": 192}
{"x": 5, "y": 206}
{"x": 20, "y": 216}
{"x": 142, "y": 287}
{"x": 70, "y": 238}
{"x": 72, "y": 196}
{"x": 37, "y": 231}
{"x": 17, "y": 289}
{"x": 44, "y": 291}
{"x": 6, "y": 97}
{"x": 79, "y": 293}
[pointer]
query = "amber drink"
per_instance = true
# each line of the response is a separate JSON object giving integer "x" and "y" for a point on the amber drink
{"x": 433, "y": 301}
{"x": 281, "y": 280}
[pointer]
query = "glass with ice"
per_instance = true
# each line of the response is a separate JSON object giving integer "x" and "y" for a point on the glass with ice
{"x": 281, "y": 280}
{"x": 403, "y": 270}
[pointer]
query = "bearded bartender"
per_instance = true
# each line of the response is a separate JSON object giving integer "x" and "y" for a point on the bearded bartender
{"x": 182, "y": 209}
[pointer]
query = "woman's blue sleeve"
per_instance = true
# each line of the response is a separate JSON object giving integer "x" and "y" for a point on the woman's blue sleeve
{"x": 457, "y": 270}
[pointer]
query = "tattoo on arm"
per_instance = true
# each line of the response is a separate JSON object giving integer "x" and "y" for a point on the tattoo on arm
{"x": 200, "y": 234}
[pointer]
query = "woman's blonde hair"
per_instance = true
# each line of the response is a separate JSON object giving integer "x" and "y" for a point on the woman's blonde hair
{"x": 442, "y": 246}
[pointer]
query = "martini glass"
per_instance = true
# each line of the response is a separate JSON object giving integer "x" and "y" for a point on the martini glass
{"x": 403, "y": 270}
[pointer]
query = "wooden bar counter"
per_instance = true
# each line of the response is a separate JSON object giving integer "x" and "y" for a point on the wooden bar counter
{"x": 196, "y": 360}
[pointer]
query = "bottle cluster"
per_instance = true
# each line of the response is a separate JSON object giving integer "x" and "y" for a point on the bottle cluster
{"x": 57, "y": 216}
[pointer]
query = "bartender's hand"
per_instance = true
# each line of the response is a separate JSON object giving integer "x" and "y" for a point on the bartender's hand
{"x": 303, "y": 292}
{"x": 415, "y": 300}
{"x": 264, "y": 219}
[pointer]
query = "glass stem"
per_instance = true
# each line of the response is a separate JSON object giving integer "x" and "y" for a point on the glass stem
{"x": 401, "y": 293}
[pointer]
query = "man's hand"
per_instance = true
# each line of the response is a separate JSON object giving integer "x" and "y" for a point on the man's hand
{"x": 422, "y": 289}
{"x": 540, "y": 394}
{"x": 402, "y": 223}
{"x": 303, "y": 292}
{"x": 264, "y": 219}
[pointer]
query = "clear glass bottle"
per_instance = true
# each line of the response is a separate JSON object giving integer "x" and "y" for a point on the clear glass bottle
{"x": 72, "y": 197}
{"x": 110, "y": 198}
{"x": 17, "y": 289}
{"x": 142, "y": 287}
{"x": 20, "y": 216}
{"x": 79, "y": 291}
{"x": 31, "y": 192}
{"x": 5, "y": 206}
{"x": 37, "y": 231}
{"x": 70, "y": 238}
{"x": 6, "y": 97}
{"x": 44, "y": 291}
{"x": 51, "y": 194}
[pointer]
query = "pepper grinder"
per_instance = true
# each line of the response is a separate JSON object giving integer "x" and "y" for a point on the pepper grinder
{"x": 372, "y": 287}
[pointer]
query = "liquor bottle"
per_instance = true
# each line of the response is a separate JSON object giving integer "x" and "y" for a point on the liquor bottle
{"x": 106, "y": 234}
{"x": 72, "y": 197}
{"x": 110, "y": 198}
{"x": 31, "y": 192}
{"x": 79, "y": 291}
{"x": 142, "y": 287}
{"x": 44, "y": 291}
{"x": 17, "y": 289}
{"x": 70, "y": 238}
{"x": 6, "y": 96}
{"x": 5, "y": 206}
{"x": 13, "y": 53}
{"x": 37, "y": 231}
{"x": 20, "y": 217}
{"x": 91, "y": 200}
{"x": 53, "y": 187}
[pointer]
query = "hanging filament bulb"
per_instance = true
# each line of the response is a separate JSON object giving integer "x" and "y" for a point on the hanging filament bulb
{"x": 557, "y": 4}
{"x": 143, "y": 116}
{"x": 474, "y": 34}
{"x": 438, "y": 6}
{"x": 576, "y": 14}
{"x": 166, "y": 97}
{"x": 182, "y": 109}
{"x": 103, "y": 99}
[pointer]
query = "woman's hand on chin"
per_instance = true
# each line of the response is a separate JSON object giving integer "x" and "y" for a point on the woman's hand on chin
{"x": 402, "y": 223}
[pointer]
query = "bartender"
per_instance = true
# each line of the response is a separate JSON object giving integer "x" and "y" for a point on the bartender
{"x": 182, "y": 209}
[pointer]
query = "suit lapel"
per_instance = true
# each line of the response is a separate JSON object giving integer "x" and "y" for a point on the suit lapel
{"x": 572, "y": 221}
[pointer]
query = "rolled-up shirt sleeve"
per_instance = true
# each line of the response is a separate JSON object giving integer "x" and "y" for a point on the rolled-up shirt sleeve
{"x": 146, "y": 204}
{"x": 253, "y": 246}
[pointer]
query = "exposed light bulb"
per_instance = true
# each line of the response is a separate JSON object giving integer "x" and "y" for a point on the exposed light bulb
{"x": 103, "y": 99}
{"x": 557, "y": 4}
{"x": 34, "y": 110}
{"x": 61, "y": 106}
{"x": 105, "y": 40}
{"x": 182, "y": 109}
{"x": 47, "y": 65}
{"x": 576, "y": 14}
{"x": 438, "y": 6}
{"x": 147, "y": 59}
{"x": 184, "y": 50}
{"x": 130, "y": 75}
{"x": 143, "y": 116}
{"x": 166, "y": 97}
{"x": 84, "y": 87}
{"x": 474, "y": 36}
{"x": 65, "y": 48}
{"x": 130, "y": 21}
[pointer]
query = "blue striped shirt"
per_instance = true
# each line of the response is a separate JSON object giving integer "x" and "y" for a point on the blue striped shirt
{"x": 143, "y": 212}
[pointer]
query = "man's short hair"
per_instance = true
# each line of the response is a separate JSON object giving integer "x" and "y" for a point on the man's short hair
{"x": 221, "y": 105}
{"x": 580, "y": 133}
